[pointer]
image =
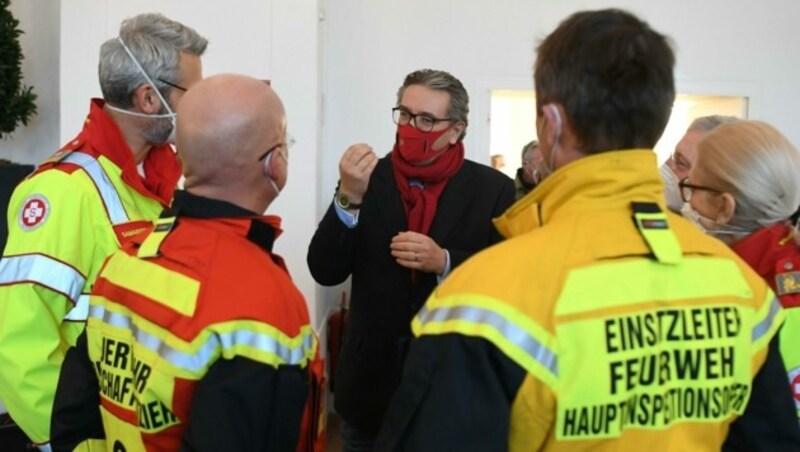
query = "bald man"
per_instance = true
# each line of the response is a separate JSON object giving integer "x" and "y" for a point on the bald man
{"x": 197, "y": 338}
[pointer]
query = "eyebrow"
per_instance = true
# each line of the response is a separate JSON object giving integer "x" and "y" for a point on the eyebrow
{"x": 679, "y": 158}
{"x": 423, "y": 112}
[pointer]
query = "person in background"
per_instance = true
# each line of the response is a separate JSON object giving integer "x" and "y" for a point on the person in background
{"x": 528, "y": 174}
{"x": 11, "y": 174}
{"x": 577, "y": 331}
{"x": 742, "y": 189}
{"x": 498, "y": 161}
{"x": 680, "y": 162}
{"x": 199, "y": 318}
{"x": 108, "y": 183}
{"x": 398, "y": 225}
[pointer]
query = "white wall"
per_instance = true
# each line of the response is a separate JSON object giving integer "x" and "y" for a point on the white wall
{"x": 40, "y": 43}
{"x": 723, "y": 47}
{"x": 357, "y": 56}
{"x": 275, "y": 39}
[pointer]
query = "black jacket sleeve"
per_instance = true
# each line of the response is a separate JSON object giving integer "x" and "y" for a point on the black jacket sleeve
{"x": 505, "y": 198}
{"x": 241, "y": 404}
{"x": 331, "y": 252}
{"x": 769, "y": 422}
{"x": 76, "y": 409}
{"x": 456, "y": 394}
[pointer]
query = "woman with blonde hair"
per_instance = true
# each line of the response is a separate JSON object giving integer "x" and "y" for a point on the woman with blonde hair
{"x": 746, "y": 180}
{"x": 743, "y": 189}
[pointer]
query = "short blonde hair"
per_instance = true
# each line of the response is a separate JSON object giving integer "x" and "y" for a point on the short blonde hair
{"x": 756, "y": 164}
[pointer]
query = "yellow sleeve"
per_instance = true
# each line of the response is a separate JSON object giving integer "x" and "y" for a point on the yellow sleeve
{"x": 43, "y": 272}
{"x": 769, "y": 317}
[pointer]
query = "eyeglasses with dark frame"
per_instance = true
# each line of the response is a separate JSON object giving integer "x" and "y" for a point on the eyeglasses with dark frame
{"x": 171, "y": 84}
{"x": 288, "y": 145}
{"x": 422, "y": 121}
{"x": 686, "y": 189}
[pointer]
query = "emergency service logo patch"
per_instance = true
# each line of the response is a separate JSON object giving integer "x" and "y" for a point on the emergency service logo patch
{"x": 34, "y": 212}
{"x": 794, "y": 382}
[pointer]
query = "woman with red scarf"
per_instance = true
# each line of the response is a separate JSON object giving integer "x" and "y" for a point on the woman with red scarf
{"x": 398, "y": 225}
{"x": 743, "y": 188}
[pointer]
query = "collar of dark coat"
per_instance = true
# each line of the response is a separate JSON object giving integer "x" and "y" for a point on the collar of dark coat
{"x": 452, "y": 203}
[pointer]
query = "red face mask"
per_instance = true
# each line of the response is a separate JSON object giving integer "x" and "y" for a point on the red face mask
{"x": 417, "y": 147}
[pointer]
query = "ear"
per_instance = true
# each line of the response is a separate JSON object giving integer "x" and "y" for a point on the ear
{"x": 554, "y": 122}
{"x": 146, "y": 100}
{"x": 268, "y": 165}
{"x": 725, "y": 209}
{"x": 455, "y": 132}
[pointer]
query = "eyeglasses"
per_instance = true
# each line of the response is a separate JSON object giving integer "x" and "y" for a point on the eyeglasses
{"x": 288, "y": 145}
{"x": 423, "y": 121}
{"x": 686, "y": 189}
{"x": 171, "y": 84}
{"x": 679, "y": 162}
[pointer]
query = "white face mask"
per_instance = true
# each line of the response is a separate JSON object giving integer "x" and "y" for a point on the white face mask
{"x": 170, "y": 114}
{"x": 672, "y": 192}
{"x": 710, "y": 226}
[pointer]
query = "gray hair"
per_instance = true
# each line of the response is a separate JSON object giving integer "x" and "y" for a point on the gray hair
{"x": 709, "y": 123}
{"x": 758, "y": 165}
{"x": 441, "y": 81}
{"x": 529, "y": 148}
{"x": 157, "y": 42}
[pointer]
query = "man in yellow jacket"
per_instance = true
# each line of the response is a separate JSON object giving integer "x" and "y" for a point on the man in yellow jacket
{"x": 603, "y": 322}
{"x": 81, "y": 204}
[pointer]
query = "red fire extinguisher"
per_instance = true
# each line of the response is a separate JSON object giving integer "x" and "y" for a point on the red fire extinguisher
{"x": 336, "y": 324}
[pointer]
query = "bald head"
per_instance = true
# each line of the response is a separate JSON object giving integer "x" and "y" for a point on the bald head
{"x": 225, "y": 123}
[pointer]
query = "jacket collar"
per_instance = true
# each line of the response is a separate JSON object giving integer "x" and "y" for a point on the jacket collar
{"x": 453, "y": 201}
{"x": 762, "y": 248}
{"x": 102, "y": 136}
{"x": 262, "y": 230}
{"x": 615, "y": 177}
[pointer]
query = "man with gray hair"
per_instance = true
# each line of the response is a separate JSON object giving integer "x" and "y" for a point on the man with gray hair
{"x": 528, "y": 176}
{"x": 677, "y": 166}
{"x": 398, "y": 225}
{"x": 81, "y": 204}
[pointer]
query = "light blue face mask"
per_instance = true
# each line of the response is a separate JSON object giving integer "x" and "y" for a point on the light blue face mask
{"x": 710, "y": 226}
{"x": 170, "y": 114}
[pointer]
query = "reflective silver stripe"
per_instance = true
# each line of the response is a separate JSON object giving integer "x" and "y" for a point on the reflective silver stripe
{"x": 42, "y": 270}
{"x": 513, "y": 333}
{"x": 763, "y": 326}
{"x": 116, "y": 212}
{"x": 80, "y": 312}
{"x": 208, "y": 351}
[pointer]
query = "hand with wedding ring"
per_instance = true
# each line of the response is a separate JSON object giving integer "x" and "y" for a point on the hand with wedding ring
{"x": 418, "y": 252}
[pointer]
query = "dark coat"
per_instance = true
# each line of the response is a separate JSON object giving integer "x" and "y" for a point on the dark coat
{"x": 384, "y": 296}
{"x": 10, "y": 177}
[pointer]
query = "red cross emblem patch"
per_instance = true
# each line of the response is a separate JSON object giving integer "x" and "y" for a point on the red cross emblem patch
{"x": 34, "y": 212}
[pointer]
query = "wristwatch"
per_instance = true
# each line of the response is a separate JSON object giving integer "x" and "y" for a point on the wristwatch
{"x": 344, "y": 202}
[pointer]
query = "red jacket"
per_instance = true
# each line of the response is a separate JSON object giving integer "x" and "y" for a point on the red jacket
{"x": 773, "y": 254}
{"x": 197, "y": 338}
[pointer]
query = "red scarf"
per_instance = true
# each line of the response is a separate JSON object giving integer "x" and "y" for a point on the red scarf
{"x": 420, "y": 202}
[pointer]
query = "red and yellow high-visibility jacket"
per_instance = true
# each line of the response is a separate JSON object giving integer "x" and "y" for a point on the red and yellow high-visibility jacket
{"x": 774, "y": 254}
{"x": 63, "y": 221}
{"x": 198, "y": 336}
